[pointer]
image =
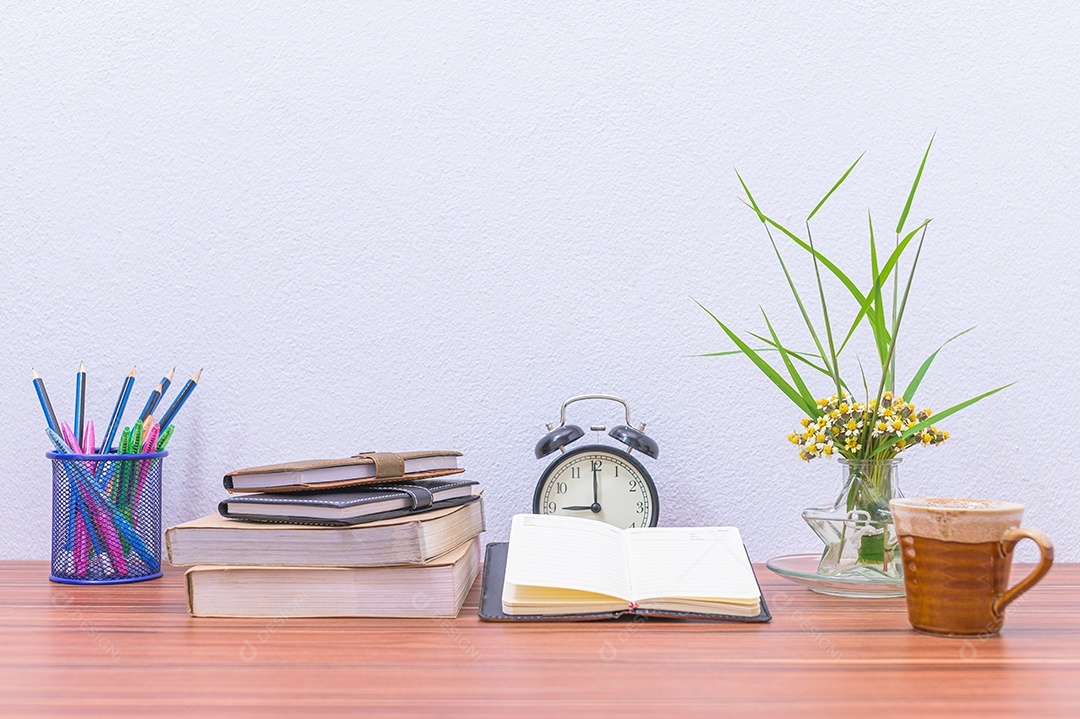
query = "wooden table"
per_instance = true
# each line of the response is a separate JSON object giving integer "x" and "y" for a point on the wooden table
{"x": 132, "y": 650}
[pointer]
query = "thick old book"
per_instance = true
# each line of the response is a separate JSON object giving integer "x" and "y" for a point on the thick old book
{"x": 362, "y": 468}
{"x": 411, "y": 539}
{"x": 350, "y": 505}
{"x": 435, "y": 589}
{"x": 564, "y": 568}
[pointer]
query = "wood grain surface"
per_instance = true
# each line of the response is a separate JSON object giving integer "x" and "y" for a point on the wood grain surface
{"x": 132, "y": 650}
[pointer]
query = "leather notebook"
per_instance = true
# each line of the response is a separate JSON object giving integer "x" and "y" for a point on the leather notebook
{"x": 361, "y": 468}
{"x": 491, "y": 608}
{"x": 350, "y": 505}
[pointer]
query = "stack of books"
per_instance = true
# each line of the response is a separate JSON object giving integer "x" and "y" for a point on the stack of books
{"x": 374, "y": 535}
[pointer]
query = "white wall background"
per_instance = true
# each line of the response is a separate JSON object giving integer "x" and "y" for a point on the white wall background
{"x": 409, "y": 225}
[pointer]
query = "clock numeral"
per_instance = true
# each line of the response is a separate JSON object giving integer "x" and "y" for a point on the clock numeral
{"x": 575, "y": 473}
{"x": 633, "y": 524}
{"x": 550, "y": 507}
{"x": 633, "y": 485}
{"x": 616, "y": 470}
{"x": 560, "y": 488}
{"x": 641, "y": 506}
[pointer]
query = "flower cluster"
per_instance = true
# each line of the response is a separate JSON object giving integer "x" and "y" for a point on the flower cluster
{"x": 842, "y": 428}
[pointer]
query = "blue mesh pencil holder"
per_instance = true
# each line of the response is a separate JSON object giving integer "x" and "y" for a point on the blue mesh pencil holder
{"x": 106, "y": 513}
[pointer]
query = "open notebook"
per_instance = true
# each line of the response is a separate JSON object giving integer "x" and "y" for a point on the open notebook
{"x": 564, "y": 567}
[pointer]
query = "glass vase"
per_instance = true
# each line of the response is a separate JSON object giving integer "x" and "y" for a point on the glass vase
{"x": 860, "y": 541}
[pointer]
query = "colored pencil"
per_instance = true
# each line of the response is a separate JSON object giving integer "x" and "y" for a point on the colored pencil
{"x": 80, "y": 405}
{"x": 151, "y": 402}
{"x": 149, "y": 445}
{"x": 88, "y": 443}
{"x": 165, "y": 382}
{"x": 43, "y": 398}
{"x": 170, "y": 413}
{"x": 163, "y": 439}
{"x": 118, "y": 413}
{"x": 77, "y": 529}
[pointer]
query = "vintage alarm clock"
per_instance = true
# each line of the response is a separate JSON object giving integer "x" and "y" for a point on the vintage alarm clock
{"x": 597, "y": 481}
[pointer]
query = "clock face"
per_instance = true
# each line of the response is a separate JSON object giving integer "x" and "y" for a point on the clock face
{"x": 598, "y": 482}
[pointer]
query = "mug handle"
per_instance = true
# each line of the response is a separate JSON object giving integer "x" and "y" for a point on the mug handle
{"x": 1046, "y": 558}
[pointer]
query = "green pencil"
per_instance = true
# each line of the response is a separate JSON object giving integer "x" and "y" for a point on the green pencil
{"x": 165, "y": 437}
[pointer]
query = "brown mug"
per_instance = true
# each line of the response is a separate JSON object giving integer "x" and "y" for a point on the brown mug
{"x": 956, "y": 555}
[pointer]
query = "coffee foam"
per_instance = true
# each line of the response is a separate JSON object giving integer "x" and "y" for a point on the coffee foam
{"x": 969, "y": 521}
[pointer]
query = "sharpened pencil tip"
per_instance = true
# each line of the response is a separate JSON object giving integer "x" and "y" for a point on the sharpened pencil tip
{"x": 169, "y": 376}
{"x": 132, "y": 372}
{"x": 82, "y": 367}
{"x": 195, "y": 379}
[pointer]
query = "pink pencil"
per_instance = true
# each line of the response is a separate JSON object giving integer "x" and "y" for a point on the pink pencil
{"x": 101, "y": 514}
{"x": 82, "y": 535}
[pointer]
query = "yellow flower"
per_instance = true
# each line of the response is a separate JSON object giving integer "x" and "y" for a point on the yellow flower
{"x": 844, "y": 407}
{"x": 793, "y": 438}
{"x": 827, "y": 450}
{"x": 805, "y": 421}
{"x": 852, "y": 425}
{"x": 927, "y": 438}
{"x": 819, "y": 437}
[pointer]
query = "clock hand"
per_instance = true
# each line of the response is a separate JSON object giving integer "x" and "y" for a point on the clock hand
{"x": 594, "y": 507}
{"x": 578, "y": 508}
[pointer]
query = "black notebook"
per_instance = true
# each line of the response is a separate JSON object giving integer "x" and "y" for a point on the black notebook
{"x": 355, "y": 505}
{"x": 572, "y": 569}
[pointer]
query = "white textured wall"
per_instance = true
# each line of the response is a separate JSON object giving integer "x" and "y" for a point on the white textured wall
{"x": 409, "y": 225}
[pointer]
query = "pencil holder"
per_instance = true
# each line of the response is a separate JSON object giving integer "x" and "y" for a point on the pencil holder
{"x": 106, "y": 526}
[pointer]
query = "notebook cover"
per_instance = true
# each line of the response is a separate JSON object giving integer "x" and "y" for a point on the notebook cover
{"x": 363, "y": 495}
{"x": 491, "y": 599}
{"x": 388, "y": 468}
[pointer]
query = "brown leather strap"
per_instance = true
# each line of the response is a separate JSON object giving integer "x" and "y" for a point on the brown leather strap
{"x": 421, "y": 497}
{"x": 388, "y": 465}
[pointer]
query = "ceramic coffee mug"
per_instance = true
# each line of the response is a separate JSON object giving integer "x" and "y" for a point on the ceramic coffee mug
{"x": 956, "y": 555}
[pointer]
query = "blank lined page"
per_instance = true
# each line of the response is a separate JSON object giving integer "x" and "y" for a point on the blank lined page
{"x": 690, "y": 563}
{"x": 568, "y": 553}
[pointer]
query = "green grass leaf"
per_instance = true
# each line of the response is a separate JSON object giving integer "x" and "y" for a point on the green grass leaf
{"x": 796, "y": 378}
{"x": 914, "y": 187}
{"x": 753, "y": 203}
{"x": 934, "y": 418}
{"x": 881, "y": 334}
{"x": 802, "y": 307}
{"x": 766, "y": 368}
{"x": 828, "y": 325}
{"x": 851, "y": 286}
{"x": 834, "y": 187}
{"x": 866, "y": 306}
{"x": 913, "y": 386}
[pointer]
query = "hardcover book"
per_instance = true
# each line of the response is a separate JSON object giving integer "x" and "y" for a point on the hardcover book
{"x": 350, "y": 505}
{"x": 409, "y": 539}
{"x": 435, "y": 589}
{"x": 363, "y": 468}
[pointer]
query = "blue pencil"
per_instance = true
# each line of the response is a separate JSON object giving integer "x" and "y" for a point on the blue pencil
{"x": 43, "y": 398}
{"x": 170, "y": 413}
{"x": 151, "y": 401}
{"x": 80, "y": 406}
{"x": 118, "y": 413}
